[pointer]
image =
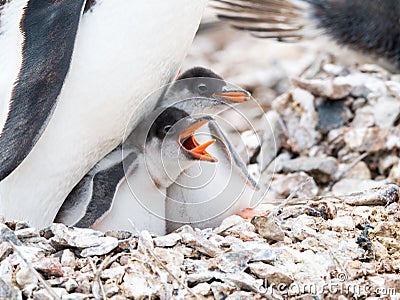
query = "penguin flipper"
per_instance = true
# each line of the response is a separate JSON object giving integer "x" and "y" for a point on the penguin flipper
{"x": 49, "y": 29}
{"x": 74, "y": 206}
{"x": 105, "y": 187}
{"x": 230, "y": 153}
{"x": 93, "y": 196}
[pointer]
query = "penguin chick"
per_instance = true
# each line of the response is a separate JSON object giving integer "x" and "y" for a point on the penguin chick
{"x": 213, "y": 93}
{"x": 196, "y": 91}
{"x": 204, "y": 195}
{"x": 151, "y": 158}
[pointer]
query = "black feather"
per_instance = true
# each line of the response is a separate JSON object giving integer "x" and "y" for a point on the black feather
{"x": 49, "y": 29}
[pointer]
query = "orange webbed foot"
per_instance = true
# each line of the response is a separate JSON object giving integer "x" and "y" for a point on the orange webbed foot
{"x": 249, "y": 213}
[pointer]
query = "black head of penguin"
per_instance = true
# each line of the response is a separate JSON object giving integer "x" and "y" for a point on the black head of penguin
{"x": 165, "y": 121}
{"x": 173, "y": 131}
{"x": 201, "y": 82}
{"x": 199, "y": 72}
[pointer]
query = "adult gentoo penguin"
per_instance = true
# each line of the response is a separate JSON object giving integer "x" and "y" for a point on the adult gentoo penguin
{"x": 72, "y": 73}
{"x": 152, "y": 157}
{"x": 367, "y": 26}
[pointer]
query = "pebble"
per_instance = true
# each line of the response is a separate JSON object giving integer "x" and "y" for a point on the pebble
{"x": 74, "y": 237}
{"x": 332, "y": 115}
{"x": 270, "y": 273}
{"x": 284, "y": 184}
{"x": 379, "y": 250}
{"x": 68, "y": 259}
{"x": 364, "y": 117}
{"x": 113, "y": 273}
{"x": 136, "y": 286}
{"x": 50, "y": 266}
{"x": 70, "y": 285}
{"x": 26, "y": 233}
{"x": 320, "y": 168}
{"x": 227, "y": 223}
{"x": 272, "y": 139}
{"x": 358, "y": 171}
{"x": 300, "y": 117}
{"x": 75, "y": 296}
{"x": 232, "y": 262}
{"x": 172, "y": 258}
{"x": 332, "y": 89}
{"x": 25, "y": 277}
{"x": 332, "y": 69}
{"x": 268, "y": 228}
{"x": 386, "y": 111}
{"x": 372, "y": 139}
{"x": 348, "y": 186}
{"x": 9, "y": 291}
{"x": 168, "y": 240}
{"x": 29, "y": 289}
{"x": 203, "y": 289}
{"x": 84, "y": 287}
{"x": 382, "y": 195}
{"x": 345, "y": 223}
{"x": 5, "y": 250}
{"x": 387, "y": 162}
{"x": 111, "y": 289}
{"x": 194, "y": 240}
{"x": 7, "y": 235}
{"x": 107, "y": 244}
{"x": 302, "y": 227}
{"x": 45, "y": 295}
{"x": 394, "y": 173}
{"x": 221, "y": 290}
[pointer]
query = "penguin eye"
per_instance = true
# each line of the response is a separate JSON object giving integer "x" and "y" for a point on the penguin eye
{"x": 167, "y": 128}
{"x": 202, "y": 88}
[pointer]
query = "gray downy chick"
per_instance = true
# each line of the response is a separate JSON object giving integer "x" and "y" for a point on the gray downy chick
{"x": 151, "y": 158}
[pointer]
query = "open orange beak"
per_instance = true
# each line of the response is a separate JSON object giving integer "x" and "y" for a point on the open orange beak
{"x": 238, "y": 96}
{"x": 188, "y": 142}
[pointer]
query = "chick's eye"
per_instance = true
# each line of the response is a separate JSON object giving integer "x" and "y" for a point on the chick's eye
{"x": 202, "y": 87}
{"x": 167, "y": 128}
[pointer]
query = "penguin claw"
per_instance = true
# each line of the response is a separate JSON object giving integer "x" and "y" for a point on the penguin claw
{"x": 249, "y": 213}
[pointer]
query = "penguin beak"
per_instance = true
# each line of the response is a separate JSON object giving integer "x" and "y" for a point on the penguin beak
{"x": 188, "y": 142}
{"x": 237, "y": 96}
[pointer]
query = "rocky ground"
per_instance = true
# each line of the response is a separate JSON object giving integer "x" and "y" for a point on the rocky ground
{"x": 330, "y": 160}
